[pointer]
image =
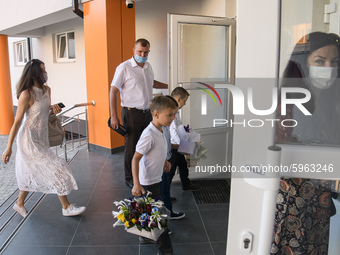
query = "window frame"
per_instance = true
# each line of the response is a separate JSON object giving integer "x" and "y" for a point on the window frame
{"x": 58, "y": 46}
{"x": 23, "y": 44}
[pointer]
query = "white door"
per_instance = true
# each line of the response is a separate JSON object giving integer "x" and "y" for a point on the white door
{"x": 202, "y": 56}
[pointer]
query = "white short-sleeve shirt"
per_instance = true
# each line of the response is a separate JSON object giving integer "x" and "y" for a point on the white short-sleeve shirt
{"x": 135, "y": 84}
{"x": 175, "y": 139}
{"x": 153, "y": 146}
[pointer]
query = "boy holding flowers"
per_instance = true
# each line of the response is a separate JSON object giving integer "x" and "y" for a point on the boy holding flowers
{"x": 149, "y": 159}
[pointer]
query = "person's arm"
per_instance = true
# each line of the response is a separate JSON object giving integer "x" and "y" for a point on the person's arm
{"x": 137, "y": 189}
{"x": 23, "y": 104}
{"x": 113, "y": 107}
{"x": 167, "y": 166}
{"x": 159, "y": 85}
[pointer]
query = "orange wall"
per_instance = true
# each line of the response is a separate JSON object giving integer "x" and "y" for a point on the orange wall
{"x": 109, "y": 29}
{"x": 6, "y": 102}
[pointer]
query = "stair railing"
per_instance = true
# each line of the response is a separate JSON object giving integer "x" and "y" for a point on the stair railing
{"x": 75, "y": 118}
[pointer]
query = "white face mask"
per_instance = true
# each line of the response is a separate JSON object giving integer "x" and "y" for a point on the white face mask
{"x": 322, "y": 77}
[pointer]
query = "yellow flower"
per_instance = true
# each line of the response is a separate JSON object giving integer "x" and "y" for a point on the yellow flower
{"x": 121, "y": 217}
{"x": 134, "y": 221}
{"x": 126, "y": 224}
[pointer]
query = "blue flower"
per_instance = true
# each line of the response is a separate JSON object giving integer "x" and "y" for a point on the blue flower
{"x": 144, "y": 217}
{"x": 155, "y": 210}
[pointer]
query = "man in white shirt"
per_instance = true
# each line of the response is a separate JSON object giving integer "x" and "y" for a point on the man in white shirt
{"x": 134, "y": 79}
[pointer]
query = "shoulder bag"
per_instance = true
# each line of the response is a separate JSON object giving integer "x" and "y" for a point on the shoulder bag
{"x": 55, "y": 130}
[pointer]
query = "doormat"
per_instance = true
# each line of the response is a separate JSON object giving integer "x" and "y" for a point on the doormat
{"x": 212, "y": 191}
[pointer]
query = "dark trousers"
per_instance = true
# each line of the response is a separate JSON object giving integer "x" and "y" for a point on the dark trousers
{"x": 163, "y": 243}
{"x": 135, "y": 121}
{"x": 155, "y": 189}
{"x": 178, "y": 160}
{"x": 165, "y": 191}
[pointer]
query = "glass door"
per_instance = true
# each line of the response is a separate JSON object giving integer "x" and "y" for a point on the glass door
{"x": 202, "y": 56}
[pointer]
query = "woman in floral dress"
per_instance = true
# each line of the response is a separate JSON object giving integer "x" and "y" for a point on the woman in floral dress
{"x": 304, "y": 206}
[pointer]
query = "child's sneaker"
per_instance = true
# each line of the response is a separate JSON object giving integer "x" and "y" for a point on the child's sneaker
{"x": 176, "y": 215}
{"x": 73, "y": 210}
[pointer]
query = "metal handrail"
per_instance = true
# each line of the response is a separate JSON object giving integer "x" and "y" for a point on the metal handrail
{"x": 75, "y": 106}
{"x": 68, "y": 121}
{"x": 72, "y": 119}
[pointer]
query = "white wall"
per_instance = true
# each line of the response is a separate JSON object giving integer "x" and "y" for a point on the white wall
{"x": 15, "y": 70}
{"x": 67, "y": 80}
{"x": 151, "y": 23}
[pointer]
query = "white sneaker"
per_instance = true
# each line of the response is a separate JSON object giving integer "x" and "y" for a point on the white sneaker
{"x": 21, "y": 210}
{"x": 73, "y": 210}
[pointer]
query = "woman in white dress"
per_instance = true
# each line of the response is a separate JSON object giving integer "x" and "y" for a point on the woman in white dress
{"x": 38, "y": 168}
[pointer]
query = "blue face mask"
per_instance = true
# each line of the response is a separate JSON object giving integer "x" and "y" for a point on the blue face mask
{"x": 140, "y": 59}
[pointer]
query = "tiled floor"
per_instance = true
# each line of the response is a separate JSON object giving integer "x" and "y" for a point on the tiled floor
{"x": 100, "y": 179}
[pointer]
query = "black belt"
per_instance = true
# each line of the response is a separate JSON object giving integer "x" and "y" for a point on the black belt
{"x": 138, "y": 110}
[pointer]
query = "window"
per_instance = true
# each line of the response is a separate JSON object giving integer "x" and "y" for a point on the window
{"x": 21, "y": 52}
{"x": 65, "y": 47}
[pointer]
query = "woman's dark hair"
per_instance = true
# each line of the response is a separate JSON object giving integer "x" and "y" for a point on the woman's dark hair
{"x": 32, "y": 73}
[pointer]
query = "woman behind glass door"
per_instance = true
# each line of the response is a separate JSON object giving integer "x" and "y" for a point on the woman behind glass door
{"x": 304, "y": 206}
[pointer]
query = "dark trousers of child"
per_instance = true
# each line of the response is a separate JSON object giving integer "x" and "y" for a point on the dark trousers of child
{"x": 165, "y": 191}
{"x": 163, "y": 243}
{"x": 178, "y": 160}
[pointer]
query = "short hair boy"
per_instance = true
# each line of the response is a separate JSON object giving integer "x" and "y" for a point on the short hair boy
{"x": 165, "y": 186}
{"x": 150, "y": 157}
{"x": 177, "y": 159}
{"x": 151, "y": 149}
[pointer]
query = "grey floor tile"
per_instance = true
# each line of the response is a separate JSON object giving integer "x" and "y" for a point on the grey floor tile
{"x": 114, "y": 166}
{"x": 86, "y": 180}
{"x": 193, "y": 249}
{"x": 106, "y": 250}
{"x": 216, "y": 224}
{"x": 34, "y": 250}
{"x": 97, "y": 229}
{"x": 81, "y": 166}
{"x": 213, "y": 206}
{"x": 220, "y": 248}
{"x": 180, "y": 249}
{"x": 148, "y": 249}
{"x": 102, "y": 201}
{"x": 184, "y": 200}
{"x": 110, "y": 181}
{"x": 47, "y": 230}
{"x": 189, "y": 229}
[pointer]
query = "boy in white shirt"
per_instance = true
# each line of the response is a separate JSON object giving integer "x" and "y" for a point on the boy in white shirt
{"x": 151, "y": 149}
{"x": 149, "y": 159}
{"x": 177, "y": 159}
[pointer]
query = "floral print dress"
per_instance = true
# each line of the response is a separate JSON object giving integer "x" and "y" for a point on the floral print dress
{"x": 302, "y": 219}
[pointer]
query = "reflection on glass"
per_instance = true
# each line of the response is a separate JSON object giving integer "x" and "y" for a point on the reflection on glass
{"x": 71, "y": 45}
{"x": 62, "y": 46}
{"x": 202, "y": 45}
{"x": 308, "y": 60}
{"x": 204, "y": 105}
{"x": 313, "y": 66}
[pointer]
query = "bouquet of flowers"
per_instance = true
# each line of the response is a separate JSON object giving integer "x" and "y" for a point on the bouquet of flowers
{"x": 142, "y": 216}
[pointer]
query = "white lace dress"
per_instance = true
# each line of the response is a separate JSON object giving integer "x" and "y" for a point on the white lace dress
{"x": 37, "y": 167}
